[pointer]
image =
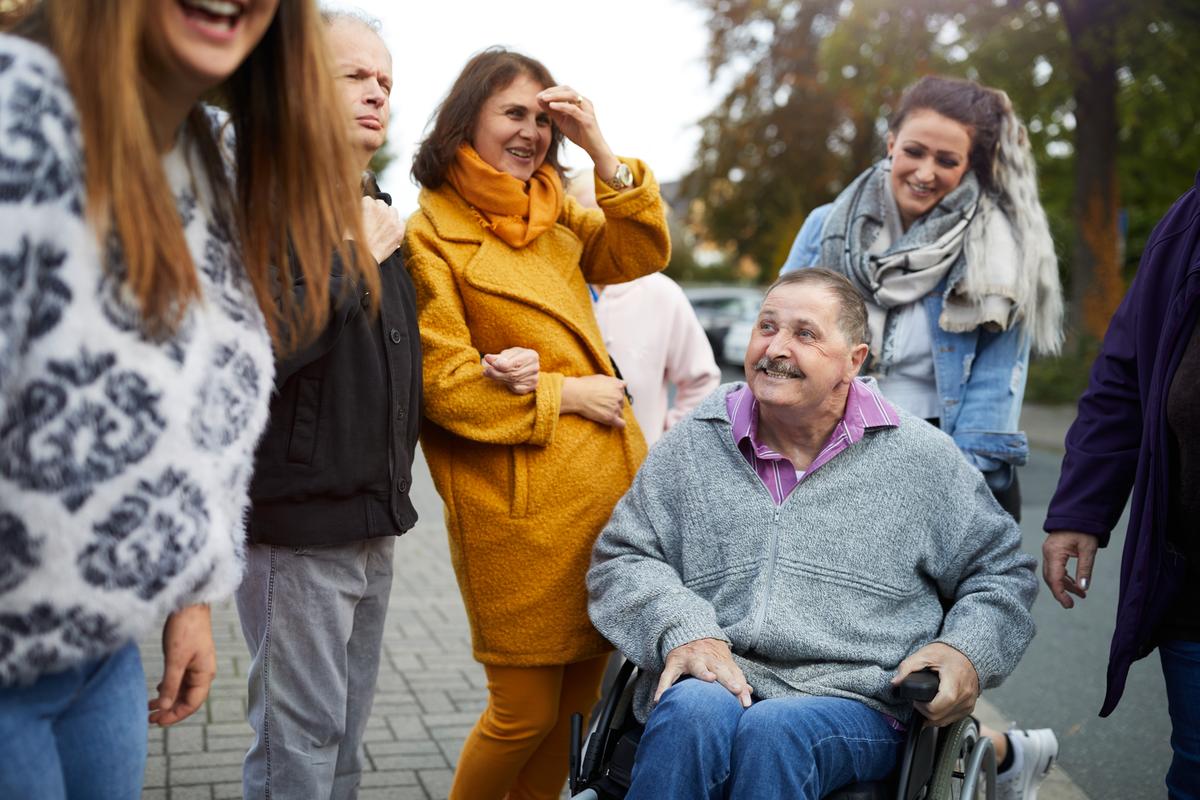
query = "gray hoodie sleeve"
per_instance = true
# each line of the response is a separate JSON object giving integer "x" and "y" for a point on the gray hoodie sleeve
{"x": 991, "y": 582}
{"x": 636, "y": 597}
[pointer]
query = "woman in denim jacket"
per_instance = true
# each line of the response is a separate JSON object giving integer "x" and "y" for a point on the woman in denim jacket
{"x": 947, "y": 241}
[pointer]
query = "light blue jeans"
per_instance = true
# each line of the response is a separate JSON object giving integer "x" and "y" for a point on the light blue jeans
{"x": 700, "y": 743}
{"x": 1181, "y": 669}
{"x": 77, "y": 734}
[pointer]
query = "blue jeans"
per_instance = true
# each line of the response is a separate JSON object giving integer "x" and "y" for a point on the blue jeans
{"x": 76, "y": 734}
{"x": 1181, "y": 669}
{"x": 700, "y": 743}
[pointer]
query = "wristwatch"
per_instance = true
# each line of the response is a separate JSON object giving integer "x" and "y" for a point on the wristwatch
{"x": 622, "y": 179}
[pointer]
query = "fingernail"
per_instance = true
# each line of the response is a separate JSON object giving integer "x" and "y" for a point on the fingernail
{"x": 1083, "y": 583}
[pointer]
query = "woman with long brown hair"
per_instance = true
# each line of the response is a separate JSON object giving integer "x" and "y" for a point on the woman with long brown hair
{"x": 141, "y": 243}
{"x": 527, "y": 432}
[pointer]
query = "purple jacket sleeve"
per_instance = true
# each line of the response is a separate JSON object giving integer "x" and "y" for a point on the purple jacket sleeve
{"x": 1104, "y": 442}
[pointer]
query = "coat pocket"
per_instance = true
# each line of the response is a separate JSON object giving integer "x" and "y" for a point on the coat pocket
{"x": 519, "y": 482}
{"x": 303, "y": 442}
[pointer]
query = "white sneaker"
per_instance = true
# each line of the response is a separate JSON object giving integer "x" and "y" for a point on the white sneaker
{"x": 1033, "y": 755}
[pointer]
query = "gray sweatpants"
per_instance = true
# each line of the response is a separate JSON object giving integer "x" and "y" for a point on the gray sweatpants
{"x": 313, "y": 620}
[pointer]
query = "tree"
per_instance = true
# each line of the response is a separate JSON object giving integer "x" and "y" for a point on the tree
{"x": 1096, "y": 285}
{"x": 763, "y": 159}
{"x": 381, "y": 159}
{"x": 1116, "y": 76}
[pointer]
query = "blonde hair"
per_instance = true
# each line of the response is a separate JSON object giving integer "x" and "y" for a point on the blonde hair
{"x": 295, "y": 199}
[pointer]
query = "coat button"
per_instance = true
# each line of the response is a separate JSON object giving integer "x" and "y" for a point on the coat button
{"x": 396, "y": 336}
{"x": 402, "y": 485}
{"x": 400, "y": 412}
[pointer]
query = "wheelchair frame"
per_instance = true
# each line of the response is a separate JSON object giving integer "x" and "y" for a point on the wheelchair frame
{"x": 937, "y": 763}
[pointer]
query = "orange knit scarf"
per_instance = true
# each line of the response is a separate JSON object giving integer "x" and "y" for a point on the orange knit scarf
{"x": 516, "y": 211}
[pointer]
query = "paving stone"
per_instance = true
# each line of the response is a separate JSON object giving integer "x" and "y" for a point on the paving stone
{"x": 436, "y": 782}
{"x": 227, "y": 791}
{"x": 397, "y": 709}
{"x": 451, "y": 748}
{"x": 403, "y": 661}
{"x": 435, "y": 702}
{"x": 241, "y": 728}
{"x": 474, "y": 706}
{"x": 411, "y": 761}
{"x": 394, "y": 697}
{"x": 204, "y": 775}
{"x": 191, "y": 793}
{"x": 443, "y": 720}
{"x": 228, "y": 686}
{"x": 394, "y": 793}
{"x": 156, "y": 772}
{"x": 240, "y": 743}
{"x": 389, "y": 777}
{"x": 451, "y": 731}
{"x": 407, "y": 726}
{"x": 185, "y": 739}
{"x": 406, "y": 747}
{"x": 218, "y": 758}
{"x": 230, "y": 709}
{"x": 378, "y": 734}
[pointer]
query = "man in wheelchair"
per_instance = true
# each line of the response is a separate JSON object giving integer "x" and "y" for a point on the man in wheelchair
{"x": 789, "y": 547}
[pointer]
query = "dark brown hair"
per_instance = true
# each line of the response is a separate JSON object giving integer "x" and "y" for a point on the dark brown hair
{"x": 852, "y": 311}
{"x": 454, "y": 120}
{"x": 980, "y": 109}
{"x": 278, "y": 209}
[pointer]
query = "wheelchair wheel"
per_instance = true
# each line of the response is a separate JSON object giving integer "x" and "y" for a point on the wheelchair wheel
{"x": 958, "y": 766}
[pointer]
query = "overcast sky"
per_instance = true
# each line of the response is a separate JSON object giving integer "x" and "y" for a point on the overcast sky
{"x": 641, "y": 62}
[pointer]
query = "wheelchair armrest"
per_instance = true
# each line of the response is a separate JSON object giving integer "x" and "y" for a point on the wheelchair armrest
{"x": 920, "y": 687}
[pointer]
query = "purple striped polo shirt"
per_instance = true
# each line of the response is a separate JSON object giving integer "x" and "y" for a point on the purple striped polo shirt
{"x": 865, "y": 408}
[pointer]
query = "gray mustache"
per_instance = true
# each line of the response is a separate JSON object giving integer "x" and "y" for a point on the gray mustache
{"x": 778, "y": 365}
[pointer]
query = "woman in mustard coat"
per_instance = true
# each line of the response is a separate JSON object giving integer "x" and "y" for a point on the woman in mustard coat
{"x": 527, "y": 430}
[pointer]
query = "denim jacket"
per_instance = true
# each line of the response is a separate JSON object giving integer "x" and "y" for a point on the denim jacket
{"x": 980, "y": 374}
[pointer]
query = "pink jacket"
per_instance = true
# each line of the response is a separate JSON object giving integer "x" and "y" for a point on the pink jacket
{"x": 651, "y": 331}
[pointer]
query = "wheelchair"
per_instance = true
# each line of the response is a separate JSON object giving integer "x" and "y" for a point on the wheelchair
{"x": 945, "y": 763}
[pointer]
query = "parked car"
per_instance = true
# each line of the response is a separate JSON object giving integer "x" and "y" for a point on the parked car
{"x": 720, "y": 307}
{"x": 737, "y": 339}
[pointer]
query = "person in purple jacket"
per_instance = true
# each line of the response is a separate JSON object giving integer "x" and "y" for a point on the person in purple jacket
{"x": 1138, "y": 430}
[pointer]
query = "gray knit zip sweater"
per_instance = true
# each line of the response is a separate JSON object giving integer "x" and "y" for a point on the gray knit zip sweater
{"x": 826, "y": 593}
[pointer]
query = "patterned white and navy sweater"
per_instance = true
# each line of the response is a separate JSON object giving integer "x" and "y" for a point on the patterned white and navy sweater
{"x": 124, "y": 460}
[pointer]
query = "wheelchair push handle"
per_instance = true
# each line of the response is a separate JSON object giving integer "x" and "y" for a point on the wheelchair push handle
{"x": 919, "y": 687}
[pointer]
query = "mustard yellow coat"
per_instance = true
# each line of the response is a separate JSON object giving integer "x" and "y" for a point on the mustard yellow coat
{"x": 526, "y": 491}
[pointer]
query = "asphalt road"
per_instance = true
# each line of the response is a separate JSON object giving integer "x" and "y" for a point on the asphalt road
{"x": 1060, "y": 682}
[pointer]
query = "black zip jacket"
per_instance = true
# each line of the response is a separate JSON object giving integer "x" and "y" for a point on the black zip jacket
{"x": 335, "y": 464}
